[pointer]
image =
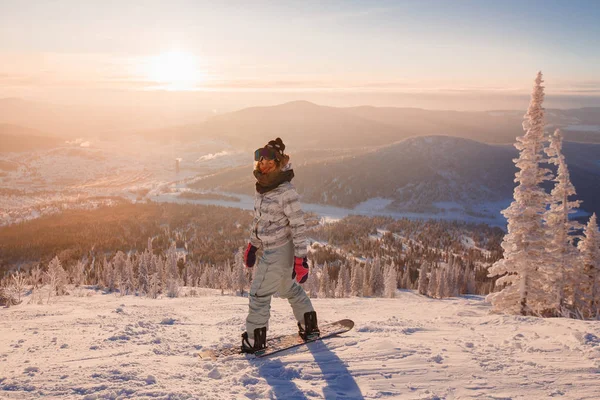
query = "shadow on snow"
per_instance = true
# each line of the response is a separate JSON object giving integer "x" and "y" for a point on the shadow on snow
{"x": 340, "y": 383}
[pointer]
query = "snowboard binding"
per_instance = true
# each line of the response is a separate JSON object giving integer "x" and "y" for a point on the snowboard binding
{"x": 310, "y": 330}
{"x": 259, "y": 343}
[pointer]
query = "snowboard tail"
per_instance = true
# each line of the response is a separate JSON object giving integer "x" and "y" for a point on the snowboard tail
{"x": 278, "y": 344}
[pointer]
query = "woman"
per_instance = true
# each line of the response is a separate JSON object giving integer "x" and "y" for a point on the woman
{"x": 278, "y": 228}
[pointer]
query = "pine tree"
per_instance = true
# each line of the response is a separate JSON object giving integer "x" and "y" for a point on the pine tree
{"x": 422, "y": 288}
{"x": 377, "y": 279}
{"x": 172, "y": 272}
{"x": 561, "y": 251}
{"x": 367, "y": 287}
{"x": 129, "y": 278}
{"x": 342, "y": 287}
{"x": 433, "y": 282}
{"x": 453, "y": 285}
{"x": 35, "y": 276}
{"x": 471, "y": 282}
{"x": 204, "y": 279}
{"x": 312, "y": 283}
{"x": 589, "y": 248}
{"x": 144, "y": 271}
{"x": 110, "y": 281}
{"x": 324, "y": 283}
{"x": 442, "y": 283}
{"x": 119, "y": 274}
{"x": 524, "y": 244}
{"x": 79, "y": 274}
{"x": 356, "y": 281}
{"x": 56, "y": 277}
{"x": 406, "y": 283}
{"x": 391, "y": 282}
{"x": 161, "y": 274}
{"x": 240, "y": 278}
{"x": 153, "y": 286}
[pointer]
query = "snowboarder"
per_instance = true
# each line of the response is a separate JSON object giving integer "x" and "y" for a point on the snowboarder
{"x": 278, "y": 228}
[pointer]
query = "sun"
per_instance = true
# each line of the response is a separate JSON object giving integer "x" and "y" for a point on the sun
{"x": 174, "y": 70}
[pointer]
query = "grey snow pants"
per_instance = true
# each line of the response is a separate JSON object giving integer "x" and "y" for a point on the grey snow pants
{"x": 274, "y": 274}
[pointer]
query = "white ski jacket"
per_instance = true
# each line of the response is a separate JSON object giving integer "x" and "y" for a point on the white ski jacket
{"x": 278, "y": 219}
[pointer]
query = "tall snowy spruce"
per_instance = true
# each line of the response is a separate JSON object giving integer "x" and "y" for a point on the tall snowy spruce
{"x": 561, "y": 268}
{"x": 589, "y": 248}
{"x": 520, "y": 271}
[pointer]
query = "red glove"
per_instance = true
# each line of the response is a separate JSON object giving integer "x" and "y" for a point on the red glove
{"x": 300, "y": 269}
{"x": 250, "y": 255}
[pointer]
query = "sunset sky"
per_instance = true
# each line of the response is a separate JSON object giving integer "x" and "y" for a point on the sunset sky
{"x": 58, "y": 47}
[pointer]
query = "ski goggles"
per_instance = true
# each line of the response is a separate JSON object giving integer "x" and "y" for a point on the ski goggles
{"x": 266, "y": 153}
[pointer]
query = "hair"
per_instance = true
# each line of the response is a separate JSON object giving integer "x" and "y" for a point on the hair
{"x": 282, "y": 159}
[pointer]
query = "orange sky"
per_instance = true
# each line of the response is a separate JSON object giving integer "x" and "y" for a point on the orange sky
{"x": 61, "y": 50}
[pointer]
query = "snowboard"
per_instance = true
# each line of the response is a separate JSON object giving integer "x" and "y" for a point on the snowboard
{"x": 278, "y": 344}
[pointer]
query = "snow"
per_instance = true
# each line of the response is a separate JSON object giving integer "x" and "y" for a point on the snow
{"x": 91, "y": 345}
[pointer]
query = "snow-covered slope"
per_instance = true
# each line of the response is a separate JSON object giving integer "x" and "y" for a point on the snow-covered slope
{"x": 91, "y": 345}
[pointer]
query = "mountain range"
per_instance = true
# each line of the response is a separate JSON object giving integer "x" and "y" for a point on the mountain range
{"x": 302, "y": 124}
{"x": 417, "y": 160}
{"x": 14, "y": 138}
{"x": 306, "y": 125}
{"x": 420, "y": 173}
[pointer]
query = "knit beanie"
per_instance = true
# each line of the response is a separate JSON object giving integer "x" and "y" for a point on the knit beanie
{"x": 278, "y": 146}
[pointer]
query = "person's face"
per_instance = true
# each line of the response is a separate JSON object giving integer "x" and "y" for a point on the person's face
{"x": 266, "y": 166}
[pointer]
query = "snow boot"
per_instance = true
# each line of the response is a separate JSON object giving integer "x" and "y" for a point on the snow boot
{"x": 310, "y": 328}
{"x": 259, "y": 342}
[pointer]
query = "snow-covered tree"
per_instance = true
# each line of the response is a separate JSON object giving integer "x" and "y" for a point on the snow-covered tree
{"x": 17, "y": 285}
{"x": 312, "y": 283}
{"x": 589, "y": 248}
{"x": 525, "y": 243}
{"x": 56, "y": 277}
{"x": 128, "y": 279}
{"x": 119, "y": 272}
{"x": 108, "y": 276}
{"x": 35, "y": 276}
{"x": 153, "y": 286}
{"x": 471, "y": 282}
{"x": 204, "y": 278}
{"x": 422, "y": 288}
{"x": 356, "y": 280}
{"x": 442, "y": 288}
{"x": 240, "y": 275}
{"x": 78, "y": 274}
{"x": 461, "y": 281}
{"x": 377, "y": 279}
{"x": 172, "y": 272}
{"x": 191, "y": 274}
{"x": 453, "y": 283}
{"x": 406, "y": 283}
{"x": 342, "y": 288}
{"x": 559, "y": 268}
{"x": 367, "y": 287}
{"x": 433, "y": 282}
{"x": 391, "y": 282}
{"x": 324, "y": 283}
{"x": 223, "y": 278}
{"x": 325, "y": 289}
{"x": 144, "y": 268}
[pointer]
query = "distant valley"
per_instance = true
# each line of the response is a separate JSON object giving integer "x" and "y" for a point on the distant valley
{"x": 431, "y": 163}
